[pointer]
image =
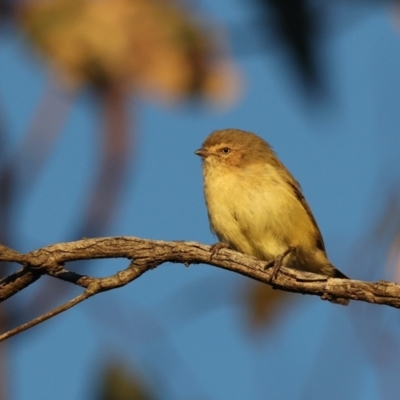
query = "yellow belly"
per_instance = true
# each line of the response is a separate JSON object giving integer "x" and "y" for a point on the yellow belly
{"x": 256, "y": 212}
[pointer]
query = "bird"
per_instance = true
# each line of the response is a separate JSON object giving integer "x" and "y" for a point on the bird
{"x": 255, "y": 205}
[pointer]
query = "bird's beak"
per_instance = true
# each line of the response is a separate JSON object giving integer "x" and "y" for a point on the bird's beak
{"x": 202, "y": 152}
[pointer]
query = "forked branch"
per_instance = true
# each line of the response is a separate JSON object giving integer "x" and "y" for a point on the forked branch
{"x": 144, "y": 255}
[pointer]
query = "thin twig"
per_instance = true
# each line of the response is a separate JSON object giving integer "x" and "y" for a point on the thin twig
{"x": 78, "y": 299}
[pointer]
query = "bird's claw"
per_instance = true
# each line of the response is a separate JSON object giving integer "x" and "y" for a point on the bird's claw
{"x": 277, "y": 263}
{"x": 216, "y": 247}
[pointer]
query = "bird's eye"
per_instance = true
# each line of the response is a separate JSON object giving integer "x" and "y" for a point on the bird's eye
{"x": 226, "y": 150}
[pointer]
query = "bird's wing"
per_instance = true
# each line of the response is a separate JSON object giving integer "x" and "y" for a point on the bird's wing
{"x": 297, "y": 190}
{"x": 299, "y": 195}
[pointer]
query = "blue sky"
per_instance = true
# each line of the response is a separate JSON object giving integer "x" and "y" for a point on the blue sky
{"x": 186, "y": 329}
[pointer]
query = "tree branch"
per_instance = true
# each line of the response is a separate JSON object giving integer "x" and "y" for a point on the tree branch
{"x": 148, "y": 254}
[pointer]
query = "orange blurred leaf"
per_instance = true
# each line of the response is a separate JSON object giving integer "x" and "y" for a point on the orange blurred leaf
{"x": 264, "y": 304}
{"x": 148, "y": 44}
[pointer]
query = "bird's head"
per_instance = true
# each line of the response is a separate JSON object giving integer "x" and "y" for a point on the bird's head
{"x": 233, "y": 148}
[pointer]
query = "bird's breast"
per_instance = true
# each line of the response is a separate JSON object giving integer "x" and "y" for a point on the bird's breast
{"x": 254, "y": 210}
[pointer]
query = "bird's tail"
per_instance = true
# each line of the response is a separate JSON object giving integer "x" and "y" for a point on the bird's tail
{"x": 338, "y": 274}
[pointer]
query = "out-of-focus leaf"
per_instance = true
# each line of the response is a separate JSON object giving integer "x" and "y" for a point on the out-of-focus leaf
{"x": 147, "y": 44}
{"x": 264, "y": 304}
{"x": 118, "y": 383}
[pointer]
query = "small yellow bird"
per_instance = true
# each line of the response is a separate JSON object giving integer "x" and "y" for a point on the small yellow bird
{"x": 255, "y": 206}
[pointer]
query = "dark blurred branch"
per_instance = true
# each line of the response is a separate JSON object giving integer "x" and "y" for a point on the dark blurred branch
{"x": 148, "y": 254}
{"x": 116, "y": 153}
{"x": 301, "y": 27}
{"x": 295, "y": 25}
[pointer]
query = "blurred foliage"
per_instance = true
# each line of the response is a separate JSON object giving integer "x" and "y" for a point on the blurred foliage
{"x": 147, "y": 44}
{"x": 119, "y": 383}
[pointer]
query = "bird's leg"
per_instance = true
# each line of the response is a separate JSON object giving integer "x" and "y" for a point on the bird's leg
{"x": 216, "y": 247}
{"x": 277, "y": 262}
